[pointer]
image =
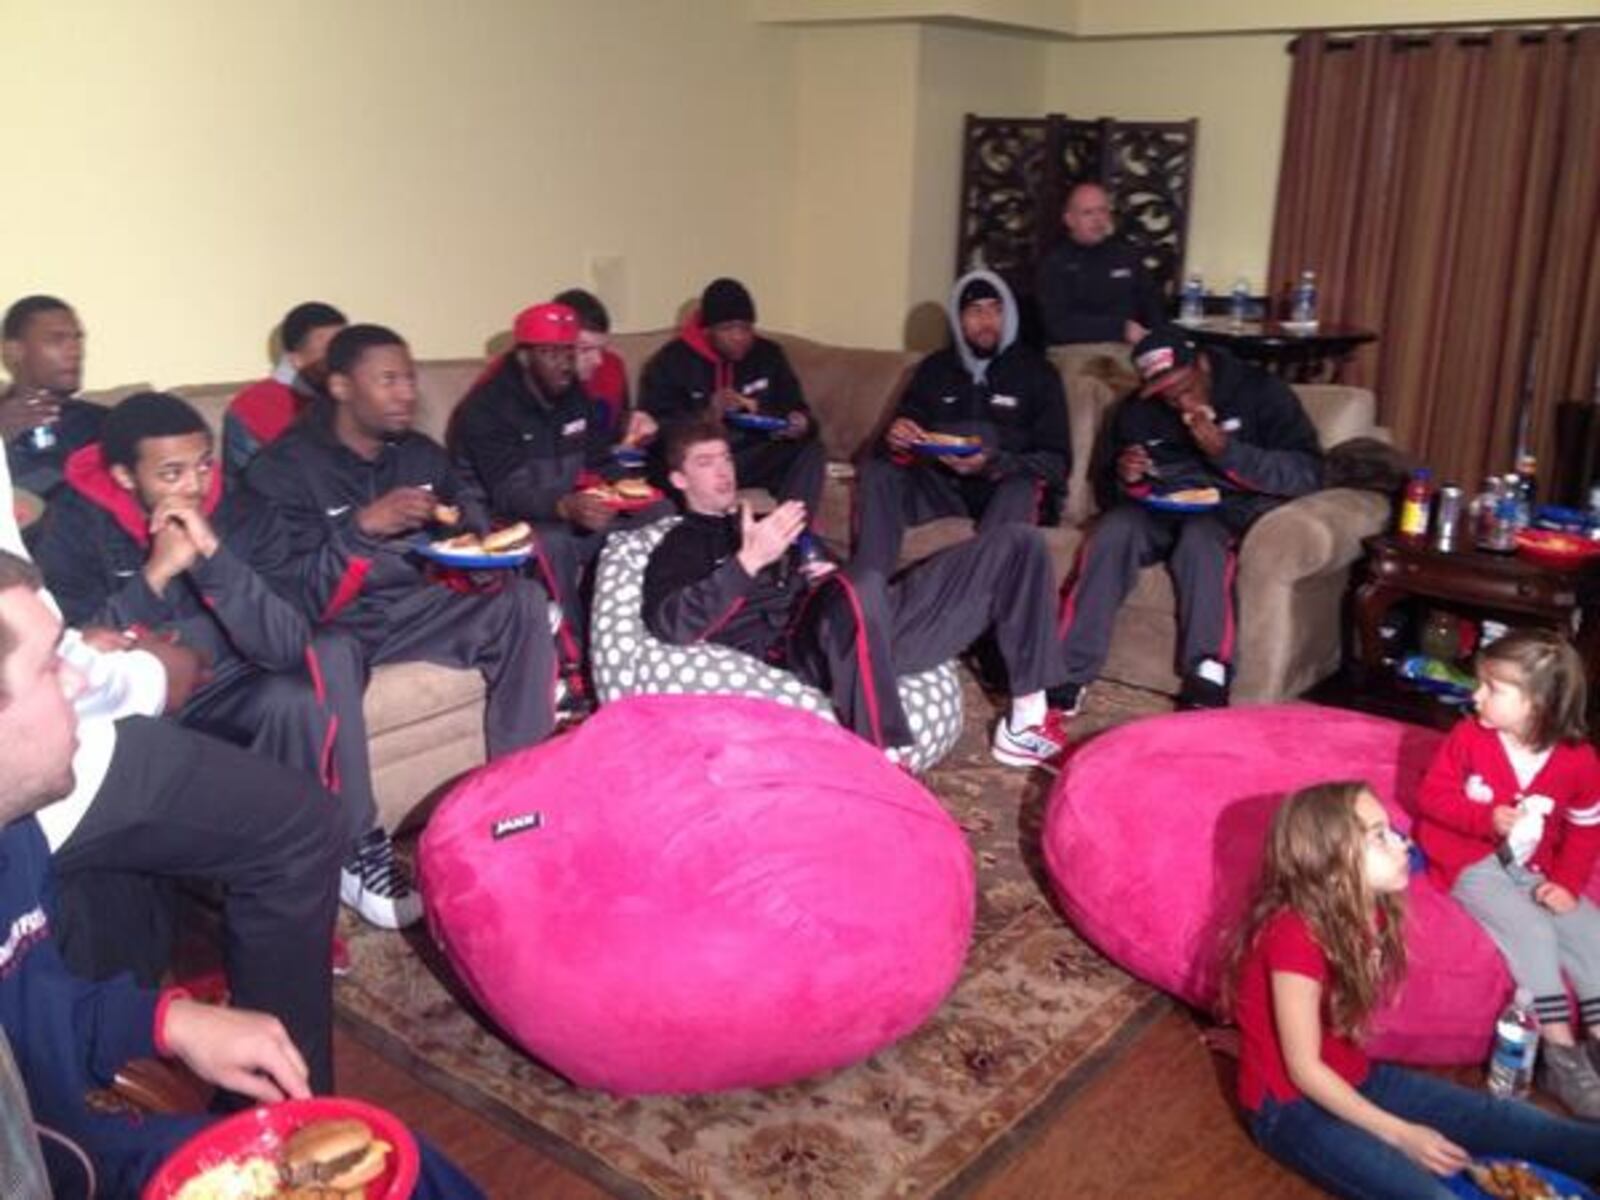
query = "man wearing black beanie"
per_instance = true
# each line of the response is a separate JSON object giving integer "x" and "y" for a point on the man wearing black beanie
{"x": 719, "y": 364}
{"x": 986, "y": 386}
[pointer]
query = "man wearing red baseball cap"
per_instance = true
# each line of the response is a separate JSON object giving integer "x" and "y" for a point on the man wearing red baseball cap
{"x": 1207, "y": 446}
{"x": 527, "y": 433}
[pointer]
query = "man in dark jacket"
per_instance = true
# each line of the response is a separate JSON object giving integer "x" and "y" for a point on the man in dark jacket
{"x": 721, "y": 575}
{"x": 527, "y": 434}
{"x": 354, "y": 483}
{"x": 718, "y": 364}
{"x": 71, "y": 1037}
{"x": 40, "y": 420}
{"x": 1091, "y": 286}
{"x": 1201, "y": 421}
{"x": 147, "y": 536}
{"x": 985, "y": 385}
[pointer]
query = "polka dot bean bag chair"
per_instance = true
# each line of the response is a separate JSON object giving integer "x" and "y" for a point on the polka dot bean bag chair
{"x": 694, "y": 893}
{"x": 1154, "y": 835}
{"x": 628, "y": 660}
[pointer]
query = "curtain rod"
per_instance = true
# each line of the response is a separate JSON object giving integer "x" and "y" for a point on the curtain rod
{"x": 1413, "y": 41}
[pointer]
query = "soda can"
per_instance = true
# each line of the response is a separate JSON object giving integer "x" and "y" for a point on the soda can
{"x": 1447, "y": 517}
{"x": 42, "y": 437}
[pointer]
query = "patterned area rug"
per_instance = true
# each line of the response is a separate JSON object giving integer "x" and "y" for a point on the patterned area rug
{"x": 1035, "y": 1013}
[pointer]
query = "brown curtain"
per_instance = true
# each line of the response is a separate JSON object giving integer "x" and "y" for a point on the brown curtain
{"x": 1446, "y": 190}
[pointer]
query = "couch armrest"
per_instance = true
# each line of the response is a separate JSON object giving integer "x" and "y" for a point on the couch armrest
{"x": 1313, "y": 534}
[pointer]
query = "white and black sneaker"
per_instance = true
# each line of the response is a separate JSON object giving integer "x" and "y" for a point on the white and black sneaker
{"x": 375, "y": 885}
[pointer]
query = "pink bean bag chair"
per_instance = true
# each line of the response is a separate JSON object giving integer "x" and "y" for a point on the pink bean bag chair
{"x": 695, "y": 893}
{"x": 1154, "y": 838}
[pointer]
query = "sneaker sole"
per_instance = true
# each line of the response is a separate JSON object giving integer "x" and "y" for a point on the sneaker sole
{"x": 1010, "y": 759}
{"x": 356, "y": 898}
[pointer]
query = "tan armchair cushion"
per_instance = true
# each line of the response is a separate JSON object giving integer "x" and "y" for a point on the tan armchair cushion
{"x": 1312, "y": 534}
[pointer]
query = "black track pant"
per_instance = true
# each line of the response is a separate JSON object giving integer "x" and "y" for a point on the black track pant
{"x": 859, "y": 632}
{"x": 176, "y": 804}
{"x": 309, "y": 719}
{"x": 789, "y": 469}
{"x": 1199, "y": 551}
{"x": 891, "y": 496}
{"x": 505, "y": 634}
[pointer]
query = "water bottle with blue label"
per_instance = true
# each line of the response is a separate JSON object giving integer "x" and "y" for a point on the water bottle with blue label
{"x": 1192, "y": 301}
{"x": 1303, "y": 308}
{"x": 1516, "y": 1047}
{"x": 1239, "y": 301}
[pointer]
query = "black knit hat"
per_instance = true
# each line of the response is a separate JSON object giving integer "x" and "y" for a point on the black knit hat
{"x": 726, "y": 300}
{"x": 975, "y": 290}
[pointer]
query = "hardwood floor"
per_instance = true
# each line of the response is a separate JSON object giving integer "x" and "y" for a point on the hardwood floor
{"x": 1155, "y": 1123}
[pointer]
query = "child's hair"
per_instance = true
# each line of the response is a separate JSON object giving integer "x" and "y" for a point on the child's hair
{"x": 1551, "y": 673}
{"x": 1313, "y": 866}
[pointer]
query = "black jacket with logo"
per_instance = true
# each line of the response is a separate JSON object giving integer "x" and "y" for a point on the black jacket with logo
{"x": 526, "y": 452}
{"x": 94, "y": 546}
{"x": 681, "y": 378}
{"x": 317, "y": 485}
{"x": 1020, "y": 410}
{"x": 1272, "y": 453}
{"x": 696, "y": 591}
{"x": 1087, "y": 293}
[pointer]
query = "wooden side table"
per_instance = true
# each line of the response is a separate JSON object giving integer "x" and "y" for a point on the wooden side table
{"x": 1498, "y": 584}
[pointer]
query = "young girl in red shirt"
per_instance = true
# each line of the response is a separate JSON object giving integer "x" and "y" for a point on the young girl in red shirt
{"x": 1510, "y": 822}
{"x": 1322, "y": 947}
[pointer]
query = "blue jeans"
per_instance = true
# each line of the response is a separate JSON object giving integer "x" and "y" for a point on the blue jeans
{"x": 1348, "y": 1161}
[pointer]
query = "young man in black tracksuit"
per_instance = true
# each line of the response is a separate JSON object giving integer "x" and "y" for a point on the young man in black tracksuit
{"x": 721, "y": 575}
{"x": 1201, "y": 420}
{"x": 148, "y": 537}
{"x": 354, "y": 482}
{"x": 719, "y": 365}
{"x": 986, "y": 385}
{"x": 528, "y": 436}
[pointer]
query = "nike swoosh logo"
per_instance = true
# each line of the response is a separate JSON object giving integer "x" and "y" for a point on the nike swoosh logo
{"x": 339, "y": 511}
{"x": 125, "y": 574}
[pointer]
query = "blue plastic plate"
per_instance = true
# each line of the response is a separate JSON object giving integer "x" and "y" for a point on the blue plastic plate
{"x": 469, "y": 561}
{"x": 760, "y": 421}
{"x": 948, "y": 449}
{"x": 1564, "y": 1185}
{"x": 1163, "y": 504}
{"x": 629, "y": 458}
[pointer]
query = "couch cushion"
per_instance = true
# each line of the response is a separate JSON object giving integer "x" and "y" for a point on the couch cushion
{"x": 402, "y": 694}
{"x": 851, "y": 392}
{"x": 1339, "y": 412}
{"x": 212, "y": 399}
{"x": 442, "y": 384}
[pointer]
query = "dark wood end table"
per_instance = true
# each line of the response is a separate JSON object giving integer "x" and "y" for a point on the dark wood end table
{"x": 1500, "y": 586}
{"x": 1297, "y": 354}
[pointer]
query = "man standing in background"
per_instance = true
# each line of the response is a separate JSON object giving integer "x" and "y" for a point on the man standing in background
{"x": 1093, "y": 287}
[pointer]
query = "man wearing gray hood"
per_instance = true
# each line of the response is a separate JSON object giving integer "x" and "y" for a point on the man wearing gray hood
{"x": 986, "y": 387}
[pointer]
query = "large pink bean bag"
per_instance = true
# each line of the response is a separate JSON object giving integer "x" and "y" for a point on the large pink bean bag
{"x": 694, "y": 893}
{"x": 1154, "y": 838}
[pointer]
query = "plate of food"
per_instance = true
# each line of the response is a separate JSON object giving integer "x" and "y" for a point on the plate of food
{"x": 759, "y": 422}
{"x": 1555, "y": 548}
{"x": 948, "y": 445}
{"x": 625, "y": 495}
{"x": 1512, "y": 1179}
{"x": 328, "y": 1146}
{"x": 1185, "y": 500}
{"x": 508, "y": 547}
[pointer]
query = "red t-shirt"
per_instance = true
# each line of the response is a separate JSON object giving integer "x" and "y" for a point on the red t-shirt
{"x": 1285, "y": 943}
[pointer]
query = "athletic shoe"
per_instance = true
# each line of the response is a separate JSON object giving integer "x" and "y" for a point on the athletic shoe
{"x": 375, "y": 885}
{"x": 1566, "y": 1073}
{"x": 1206, "y": 686}
{"x": 1067, "y": 698}
{"x": 1036, "y": 746}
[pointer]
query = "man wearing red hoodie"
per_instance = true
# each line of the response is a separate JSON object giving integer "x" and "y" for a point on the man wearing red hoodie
{"x": 262, "y": 411}
{"x": 719, "y": 364}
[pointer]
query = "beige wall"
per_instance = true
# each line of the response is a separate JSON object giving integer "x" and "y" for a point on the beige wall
{"x": 1237, "y": 86}
{"x": 184, "y": 170}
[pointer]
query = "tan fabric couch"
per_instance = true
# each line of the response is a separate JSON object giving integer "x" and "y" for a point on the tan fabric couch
{"x": 426, "y": 722}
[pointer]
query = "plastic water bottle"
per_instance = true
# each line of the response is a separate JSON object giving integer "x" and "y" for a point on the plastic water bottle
{"x": 1516, "y": 1046}
{"x": 1192, "y": 303}
{"x": 1239, "y": 301}
{"x": 1303, "y": 308}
